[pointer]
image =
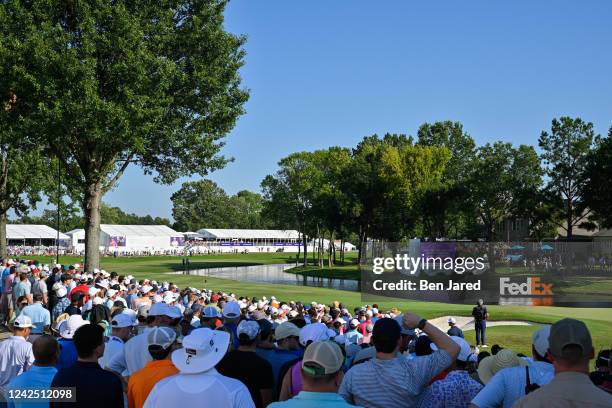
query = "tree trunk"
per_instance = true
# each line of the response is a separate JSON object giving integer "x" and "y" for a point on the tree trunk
{"x": 91, "y": 210}
{"x": 570, "y": 227}
{"x": 3, "y": 243}
{"x": 491, "y": 249}
{"x": 305, "y": 247}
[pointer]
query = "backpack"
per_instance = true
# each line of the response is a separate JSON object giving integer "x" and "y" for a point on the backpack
{"x": 530, "y": 387}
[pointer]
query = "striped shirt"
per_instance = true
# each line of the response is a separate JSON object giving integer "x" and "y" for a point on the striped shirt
{"x": 454, "y": 391}
{"x": 392, "y": 383}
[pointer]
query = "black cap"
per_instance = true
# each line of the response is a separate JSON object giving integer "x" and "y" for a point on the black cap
{"x": 387, "y": 329}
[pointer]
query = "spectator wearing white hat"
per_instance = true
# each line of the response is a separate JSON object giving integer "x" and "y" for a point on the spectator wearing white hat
{"x": 453, "y": 329}
{"x": 135, "y": 353}
{"x": 286, "y": 348}
{"x": 122, "y": 325}
{"x": 95, "y": 387}
{"x": 246, "y": 366}
{"x": 68, "y": 354}
{"x": 353, "y": 336}
{"x": 16, "y": 354}
{"x": 321, "y": 371}
{"x": 198, "y": 381}
{"x": 570, "y": 349}
{"x": 509, "y": 384}
{"x": 62, "y": 301}
{"x": 458, "y": 388}
{"x": 162, "y": 342}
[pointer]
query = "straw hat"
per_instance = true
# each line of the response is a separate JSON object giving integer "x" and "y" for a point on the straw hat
{"x": 492, "y": 364}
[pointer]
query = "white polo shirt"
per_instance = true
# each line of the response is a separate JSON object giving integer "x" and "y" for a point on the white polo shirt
{"x": 189, "y": 390}
{"x": 16, "y": 356}
{"x": 133, "y": 355}
{"x": 113, "y": 346}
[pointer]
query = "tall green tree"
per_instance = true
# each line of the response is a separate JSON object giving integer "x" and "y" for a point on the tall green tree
{"x": 501, "y": 181}
{"x": 111, "y": 84}
{"x": 289, "y": 194}
{"x": 443, "y": 206}
{"x": 24, "y": 171}
{"x": 248, "y": 209}
{"x": 201, "y": 204}
{"x": 597, "y": 193}
{"x": 565, "y": 152}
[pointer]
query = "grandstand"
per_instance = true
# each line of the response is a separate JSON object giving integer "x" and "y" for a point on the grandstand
{"x": 247, "y": 240}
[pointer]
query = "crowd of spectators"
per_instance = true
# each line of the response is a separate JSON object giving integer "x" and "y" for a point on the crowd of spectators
{"x": 119, "y": 341}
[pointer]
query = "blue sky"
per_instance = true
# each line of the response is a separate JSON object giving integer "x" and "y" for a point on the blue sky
{"x": 325, "y": 73}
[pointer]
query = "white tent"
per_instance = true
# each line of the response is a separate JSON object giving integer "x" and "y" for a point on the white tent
{"x": 32, "y": 235}
{"x": 132, "y": 238}
{"x": 258, "y": 240}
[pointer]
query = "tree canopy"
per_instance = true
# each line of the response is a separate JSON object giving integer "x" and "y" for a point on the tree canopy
{"x": 110, "y": 84}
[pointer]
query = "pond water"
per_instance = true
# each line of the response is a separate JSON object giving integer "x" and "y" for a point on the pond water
{"x": 274, "y": 274}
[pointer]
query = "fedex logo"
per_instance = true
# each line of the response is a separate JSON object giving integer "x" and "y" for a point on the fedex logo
{"x": 532, "y": 287}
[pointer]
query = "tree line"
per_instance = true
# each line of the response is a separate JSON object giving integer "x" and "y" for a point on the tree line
{"x": 441, "y": 185}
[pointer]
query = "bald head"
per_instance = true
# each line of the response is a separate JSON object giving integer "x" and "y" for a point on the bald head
{"x": 46, "y": 350}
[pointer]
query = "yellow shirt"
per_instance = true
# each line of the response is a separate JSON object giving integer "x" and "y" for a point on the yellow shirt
{"x": 142, "y": 381}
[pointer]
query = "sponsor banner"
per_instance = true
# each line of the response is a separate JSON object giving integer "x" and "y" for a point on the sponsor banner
{"x": 524, "y": 273}
{"x": 177, "y": 241}
{"x": 117, "y": 241}
{"x": 237, "y": 244}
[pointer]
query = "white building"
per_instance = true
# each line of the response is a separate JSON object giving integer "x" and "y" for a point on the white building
{"x": 250, "y": 240}
{"x": 132, "y": 239}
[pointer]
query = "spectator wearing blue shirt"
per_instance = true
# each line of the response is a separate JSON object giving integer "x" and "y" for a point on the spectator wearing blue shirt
{"x": 321, "y": 375}
{"x": 61, "y": 301}
{"x": 453, "y": 329}
{"x": 22, "y": 288}
{"x": 508, "y": 385}
{"x": 68, "y": 352}
{"x": 41, "y": 318}
{"x": 40, "y": 375}
{"x": 287, "y": 349}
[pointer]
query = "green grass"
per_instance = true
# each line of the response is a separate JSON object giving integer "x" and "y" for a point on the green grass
{"x": 599, "y": 320}
{"x": 512, "y": 337}
{"x": 335, "y": 272}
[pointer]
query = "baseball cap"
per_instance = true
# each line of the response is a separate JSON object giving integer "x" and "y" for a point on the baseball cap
{"x": 175, "y": 312}
{"x": 210, "y": 312}
{"x": 465, "y": 352}
{"x": 161, "y": 336}
{"x": 122, "y": 320}
{"x": 387, "y": 328}
{"x": 313, "y": 332}
{"x": 160, "y": 309}
{"x": 286, "y": 329}
{"x": 354, "y": 322}
{"x": 231, "y": 309}
{"x": 22, "y": 322}
{"x": 61, "y": 291}
{"x": 322, "y": 358}
{"x": 70, "y": 326}
{"x": 569, "y": 332}
{"x": 452, "y": 320}
{"x": 143, "y": 310}
{"x": 540, "y": 340}
{"x": 249, "y": 327}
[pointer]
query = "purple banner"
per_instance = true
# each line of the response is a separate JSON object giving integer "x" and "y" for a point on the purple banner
{"x": 177, "y": 241}
{"x": 117, "y": 241}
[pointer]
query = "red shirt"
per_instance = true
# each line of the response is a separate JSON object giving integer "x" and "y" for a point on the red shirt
{"x": 83, "y": 289}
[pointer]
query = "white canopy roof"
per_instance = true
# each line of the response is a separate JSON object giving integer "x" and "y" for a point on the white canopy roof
{"x": 31, "y": 231}
{"x": 139, "y": 230}
{"x": 213, "y": 233}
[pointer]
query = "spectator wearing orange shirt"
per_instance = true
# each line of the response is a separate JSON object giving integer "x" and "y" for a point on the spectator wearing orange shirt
{"x": 162, "y": 342}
